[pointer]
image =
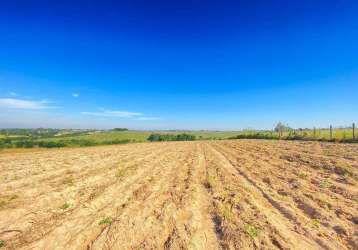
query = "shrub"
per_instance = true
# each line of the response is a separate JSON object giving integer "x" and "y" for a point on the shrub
{"x": 251, "y": 230}
{"x": 51, "y": 144}
{"x": 116, "y": 141}
{"x": 24, "y": 144}
{"x": 5, "y": 143}
{"x": 120, "y": 129}
{"x": 105, "y": 221}
{"x": 65, "y": 206}
{"x": 171, "y": 137}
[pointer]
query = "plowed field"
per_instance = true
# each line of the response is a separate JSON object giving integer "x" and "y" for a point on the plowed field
{"x": 246, "y": 194}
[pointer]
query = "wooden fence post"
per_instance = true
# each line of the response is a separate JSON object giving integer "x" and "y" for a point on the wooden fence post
{"x": 330, "y": 132}
{"x": 354, "y": 126}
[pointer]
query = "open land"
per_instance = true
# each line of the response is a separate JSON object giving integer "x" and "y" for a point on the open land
{"x": 242, "y": 194}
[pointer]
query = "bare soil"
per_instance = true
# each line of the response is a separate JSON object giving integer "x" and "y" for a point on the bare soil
{"x": 246, "y": 194}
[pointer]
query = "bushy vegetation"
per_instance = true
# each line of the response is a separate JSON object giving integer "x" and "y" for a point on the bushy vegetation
{"x": 171, "y": 137}
{"x": 27, "y": 143}
{"x": 256, "y": 135}
{"x": 40, "y": 132}
{"x": 54, "y": 138}
{"x": 120, "y": 129}
{"x": 284, "y": 132}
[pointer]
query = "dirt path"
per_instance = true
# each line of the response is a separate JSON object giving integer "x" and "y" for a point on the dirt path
{"x": 182, "y": 195}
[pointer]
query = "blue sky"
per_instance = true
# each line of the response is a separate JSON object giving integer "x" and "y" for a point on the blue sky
{"x": 178, "y": 64}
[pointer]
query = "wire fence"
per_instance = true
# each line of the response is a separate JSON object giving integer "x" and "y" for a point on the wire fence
{"x": 331, "y": 133}
{"x": 337, "y": 134}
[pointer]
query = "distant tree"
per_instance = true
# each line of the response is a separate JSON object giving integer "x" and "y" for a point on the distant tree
{"x": 280, "y": 128}
{"x": 171, "y": 137}
{"x": 120, "y": 129}
{"x": 154, "y": 137}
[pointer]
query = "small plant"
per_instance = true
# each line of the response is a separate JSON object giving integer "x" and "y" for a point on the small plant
{"x": 315, "y": 223}
{"x": 325, "y": 183}
{"x": 120, "y": 173}
{"x": 68, "y": 181}
{"x": 251, "y": 230}
{"x": 225, "y": 212}
{"x": 92, "y": 196}
{"x": 302, "y": 175}
{"x": 13, "y": 197}
{"x": 209, "y": 183}
{"x": 343, "y": 168}
{"x": 65, "y": 206}
{"x": 2, "y": 243}
{"x": 2, "y": 204}
{"x": 105, "y": 221}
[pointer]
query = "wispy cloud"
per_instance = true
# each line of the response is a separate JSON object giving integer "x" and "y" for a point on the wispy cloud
{"x": 144, "y": 118}
{"x": 75, "y": 95}
{"x": 13, "y": 94}
{"x": 114, "y": 113}
{"x": 12, "y": 103}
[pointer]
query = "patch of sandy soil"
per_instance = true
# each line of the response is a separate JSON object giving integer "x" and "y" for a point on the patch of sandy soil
{"x": 243, "y": 194}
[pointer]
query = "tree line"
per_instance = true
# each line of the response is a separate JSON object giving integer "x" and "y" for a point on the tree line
{"x": 171, "y": 137}
{"x": 28, "y": 143}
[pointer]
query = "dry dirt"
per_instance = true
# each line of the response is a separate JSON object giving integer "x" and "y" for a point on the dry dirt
{"x": 181, "y": 195}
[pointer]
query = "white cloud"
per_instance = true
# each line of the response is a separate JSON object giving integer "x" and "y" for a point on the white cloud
{"x": 75, "y": 95}
{"x": 144, "y": 118}
{"x": 113, "y": 113}
{"x": 12, "y": 103}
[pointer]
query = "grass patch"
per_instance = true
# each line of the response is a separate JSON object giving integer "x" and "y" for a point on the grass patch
{"x": 325, "y": 183}
{"x": 302, "y": 175}
{"x": 2, "y": 204}
{"x": 316, "y": 223}
{"x": 251, "y": 230}
{"x": 105, "y": 221}
{"x": 13, "y": 197}
{"x": 225, "y": 213}
{"x": 209, "y": 183}
{"x": 68, "y": 181}
{"x": 121, "y": 173}
{"x": 65, "y": 206}
{"x": 343, "y": 168}
{"x": 2, "y": 243}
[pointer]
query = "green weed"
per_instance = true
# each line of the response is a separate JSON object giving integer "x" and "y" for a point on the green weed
{"x": 105, "y": 221}
{"x": 251, "y": 230}
{"x": 65, "y": 206}
{"x": 325, "y": 183}
{"x": 302, "y": 175}
{"x": 316, "y": 223}
{"x": 120, "y": 173}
